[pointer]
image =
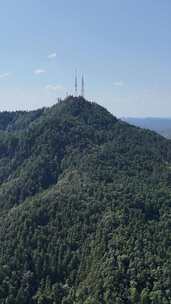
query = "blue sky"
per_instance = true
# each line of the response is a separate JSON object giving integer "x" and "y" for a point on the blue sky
{"x": 122, "y": 46}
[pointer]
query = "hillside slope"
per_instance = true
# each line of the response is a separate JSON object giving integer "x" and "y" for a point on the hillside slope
{"x": 85, "y": 209}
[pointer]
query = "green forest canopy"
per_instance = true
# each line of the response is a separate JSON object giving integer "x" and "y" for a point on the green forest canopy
{"x": 85, "y": 208}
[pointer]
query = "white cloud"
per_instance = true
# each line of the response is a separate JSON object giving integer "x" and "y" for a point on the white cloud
{"x": 118, "y": 83}
{"x": 52, "y": 55}
{"x": 4, "y": 75}
{"x": 54, "y": 87}
{"x": 39, "y": 71}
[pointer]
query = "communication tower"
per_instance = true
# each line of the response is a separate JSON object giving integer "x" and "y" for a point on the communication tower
{"x": 82, "y": 86}
{"x": 76, "y": 84}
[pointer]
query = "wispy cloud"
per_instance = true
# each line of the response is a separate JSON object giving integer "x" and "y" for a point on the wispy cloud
{"x": 5, "y": 75}
{"x": 39, "y": 71}
{"x": 52, "y": 55}
{"x": 54, "y": 87}
{"x": 118, "y": 83}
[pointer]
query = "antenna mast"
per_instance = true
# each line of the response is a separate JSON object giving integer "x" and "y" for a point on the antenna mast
{"x": 82, "y": 86}
{"x": 76, "y": 84}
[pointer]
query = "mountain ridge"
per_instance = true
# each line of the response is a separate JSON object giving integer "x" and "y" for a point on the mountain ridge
{"x": 85, "y": 209}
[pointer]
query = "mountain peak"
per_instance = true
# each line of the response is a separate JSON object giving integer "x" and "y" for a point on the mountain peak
{"x": 81, "y": 111}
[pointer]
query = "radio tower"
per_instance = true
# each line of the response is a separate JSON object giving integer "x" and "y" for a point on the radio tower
{"x": 76, "y": 84}
{"x": 82, "y": 86}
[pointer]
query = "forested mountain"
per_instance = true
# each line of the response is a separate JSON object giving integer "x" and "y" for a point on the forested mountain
{"x": 159, "y": 125}
{"x": 85, "y": 208}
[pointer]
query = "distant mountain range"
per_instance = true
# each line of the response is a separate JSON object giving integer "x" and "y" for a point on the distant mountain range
{"x": 158, "y": 124}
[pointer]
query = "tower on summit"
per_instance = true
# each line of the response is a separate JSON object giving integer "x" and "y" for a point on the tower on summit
{"x": 82, "y": 86}
{"x": 76, "y": 84}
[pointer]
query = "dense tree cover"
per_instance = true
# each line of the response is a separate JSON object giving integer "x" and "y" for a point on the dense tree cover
{"x": 85, "y": 208}
{"x": 11, "y": 121}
